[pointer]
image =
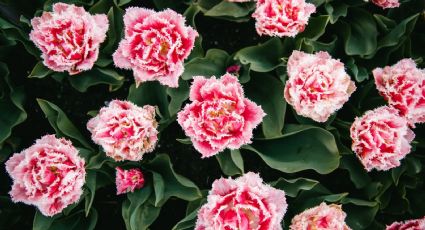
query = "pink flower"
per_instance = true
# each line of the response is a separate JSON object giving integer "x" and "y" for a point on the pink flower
{"x": 381, "y": 138}
{"x": 386, "y": 3}
{"x": 69, "y": 37}
{"x": 282, "y": 17}
{"x": 245, "y": 203}
{"x": 233, "y": 69}
{"x": 124, "y": 130}
{"x": 403, "y": 86}
{"x": 155, "y": 45}
{"x": 128, "y": 180}
{"x": 322, "y": 217}
{"x": 317, "y": 86}
{"x": 418, "y": 224}
{"x": 48, "y": 175}
{"x": 219, "y": 116}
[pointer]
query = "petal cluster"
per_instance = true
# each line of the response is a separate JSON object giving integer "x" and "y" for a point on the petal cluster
{"x": 381, "y": 138}
{"x": 69, "y": 37}
{"x": 155, "y": 45}
{"x": 282, "y": 17}
{"x": 317, "y": 85}
{"x": 245, "y": 203}
{"x": 128, "y": 180}
{"x": 321, "y": 217}
{"x": 48, "y": 175}
{"x": 418, "y": 224}
{"x": 403, "y": 86}
{"x": 219, "y": 116}
{"x": 386, "y": 3}
{"x": 124, "y": 130}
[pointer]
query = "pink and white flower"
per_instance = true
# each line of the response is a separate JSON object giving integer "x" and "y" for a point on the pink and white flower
{"x": 386, "y": 3}
{"x": 282, "y": 17}
{"x": 321, "y": 217}
{"x": 418, "y": 224}
{"x": 317, "y": 85}
{"x": 69, "y": 37}
{"x": 124, "y": 130}
{"x": 219, "y": 116}
{"x": 381, "y": 138}
{"x": 155, "y": 45}
{"x": 403, "y": 86}
{"x": 244, "y": 203}
{"x": 128, "y": 180}
{"x": 48, "y": 175}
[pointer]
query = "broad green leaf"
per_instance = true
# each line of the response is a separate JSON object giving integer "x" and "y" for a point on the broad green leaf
{"x": 173, "y": 183}
{"x": 76, "y": 221}
{"x": 336, "y": 9}
{"x": 231, "y": 162}
{"x": 267, "y": 91}
{"x": 386, "y": 24}
{"x": 42, "y": 222}
{"x": 301, "y": 147}
{"x": 91, "y": 186}
{"x": 359, "y": 73}
{"x": 40, "y": 71}
{"x": 178, "y": 96}
{"x": 230, "y": 9}
{"x": 135, "y": 201}
{"x": 190, "y": 14}
{"x": 150, "y": 93}
{"x": 359, "y": 32}
{"x": 310, "y": 46}
{"x": 358, "y": 174}
{"x": 144, "y": 216}
{"x": 61, "y": 123}
{"x": 263, "y": 57}
{"x": 98, "y": 160}
{"x": 96, "y": 76}
{"x": 213, "y": 64}
{"x": 188, "y": 222}
{"x": 11, "y": 105}
{"x": 360, "y": 213}
{"x": 316, "y": 27}
{"x": 294, "y": 186}
{"x": 115, "y": 31}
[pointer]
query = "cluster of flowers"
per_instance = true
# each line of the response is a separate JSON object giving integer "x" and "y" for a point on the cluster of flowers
{"x": 381, "y": 137}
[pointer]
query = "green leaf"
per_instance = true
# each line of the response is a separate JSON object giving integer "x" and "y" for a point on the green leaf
{"x": 316, "y": 27}
{"x": 230, "y": 9}
{"x": 188, "y": 222}
{"x": 190, "y": 14}
{"x": 360, "y": 213}
{"x": 267, "y": 91}
{"x": 169, "y": 182}
{"x": 294, "y": 186}
{"x": 301, "y": 147}
{"x": 98, "y": 160}
{"x": 178, "y": 96}
{"x": 263, "y": 57}
{"x": 114, "y": 34}
{"x": 358, "y": 174}
{"x": 96, "y": 76}
{"x": 91, "y": 185}
{"x": 150, "y": 93}
{"x": 359, "y": 32}
{"x": 144, "y": 216}
{"x": 336, "y": 9}
{"x": 61, "y": 123}
{"x": 42, "y": 222}
{"x": 11, "y": 105}
{"x": 134, "y": 202}
{"x": 231, "y": 162}
{"x": 359, "y": 73}
{"x": 213, "y": 64}
{"x": 40, "y": 71}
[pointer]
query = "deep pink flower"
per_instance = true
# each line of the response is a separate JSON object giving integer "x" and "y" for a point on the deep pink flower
{"x": 233, "y": 69}
{"x": 282, "y": 17}
{"x": 403, "y": 86}
{"x": 219, "y": 116}
{"x": 386, "y": 3}
{"x": 245, "y": 203}
{"x": 124, "y": 130}
{"x": 321, "y": 217}
{"x": 317, "y": 85}
{"x": 48, "y": 175}
{"x": 418, "y": 224}
{"x": 128, "y": 180}
{"x": 155, "y": 45}
{"x": 381, "y": 138}
{"x": 69, "y": 37}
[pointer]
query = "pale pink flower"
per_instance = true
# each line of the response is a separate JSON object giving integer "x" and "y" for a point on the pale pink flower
{"x": 245, "y": 203}
{"x": 69, "y": 37}
{"x": 386, "y": 3}
{"x": 124, "y": 130}
{"x": 418, "y": 224}
{"x": 403, "y": 86}
{"x": 282, "y": 17}
{"x": 155, "y": 45}
{"x": 381, "y": 138}
{"x": 48, "y": 175}
{"x": 317, "y": 85}
{"x": 128, "y": 180}
{"x": 321, "y": 217}
{"x": 219, "y": 116}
